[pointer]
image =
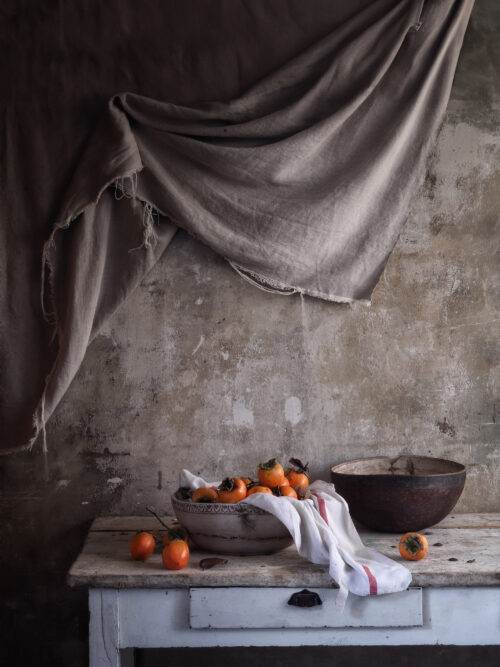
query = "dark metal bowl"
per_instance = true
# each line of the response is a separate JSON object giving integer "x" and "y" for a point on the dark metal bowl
{"x": 395, "y": 496}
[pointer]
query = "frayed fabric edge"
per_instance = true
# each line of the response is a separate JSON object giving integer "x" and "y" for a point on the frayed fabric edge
{"x": 39, "y": 418}
{"x": 276, "y": 287}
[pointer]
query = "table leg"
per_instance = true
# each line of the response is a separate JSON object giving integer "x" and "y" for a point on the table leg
{"x": 104, "y": 630}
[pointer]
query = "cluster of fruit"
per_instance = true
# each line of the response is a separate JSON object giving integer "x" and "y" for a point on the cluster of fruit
{"x": 175, "y": 554}
{"x": 272, "y": 478}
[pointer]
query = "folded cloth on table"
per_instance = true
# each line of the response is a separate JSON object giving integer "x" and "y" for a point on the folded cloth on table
{"x": 324, "y": 533}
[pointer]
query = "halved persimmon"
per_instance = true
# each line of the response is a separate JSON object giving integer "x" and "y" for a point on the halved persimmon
{"x": 257, "y": 488}
{"x": 297, "y": 475}
{"x": 204, "y": 495}
{"x": 231, "y": 490}
{"x": 271, "y": 473}
{"x": 413, "y": 546}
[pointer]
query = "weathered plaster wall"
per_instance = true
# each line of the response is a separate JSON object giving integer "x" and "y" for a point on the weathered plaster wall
{"x": 200, "y": 370}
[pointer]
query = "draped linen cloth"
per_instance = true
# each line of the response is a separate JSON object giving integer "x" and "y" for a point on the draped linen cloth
{"x": 324, "y": 533}
{"x": 303, "y": 182}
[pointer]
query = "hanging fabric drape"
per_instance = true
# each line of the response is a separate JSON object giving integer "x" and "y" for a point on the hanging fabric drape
{"x": 302, "y": 183}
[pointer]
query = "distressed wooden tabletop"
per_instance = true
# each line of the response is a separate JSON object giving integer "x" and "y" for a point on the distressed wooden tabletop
{"x": 464, "y": 550}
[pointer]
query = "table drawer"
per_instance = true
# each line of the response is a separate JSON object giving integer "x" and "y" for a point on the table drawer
{"x": 233, "y": 607}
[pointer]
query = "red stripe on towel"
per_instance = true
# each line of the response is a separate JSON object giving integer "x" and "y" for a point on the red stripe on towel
{"x": 321, "y": 507}
{"x": 371, "y": 579}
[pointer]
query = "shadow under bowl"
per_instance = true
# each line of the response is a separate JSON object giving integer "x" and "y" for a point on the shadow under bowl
{"x": 406, "y": 494}
{"x": 234, "y": 529}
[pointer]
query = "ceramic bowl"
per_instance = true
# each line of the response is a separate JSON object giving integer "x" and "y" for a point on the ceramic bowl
{"x": 239, "y": 529}
{"x": 406, "y": 494}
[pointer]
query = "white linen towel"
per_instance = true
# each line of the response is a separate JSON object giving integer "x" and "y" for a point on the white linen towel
{"x": 324, "y": 533}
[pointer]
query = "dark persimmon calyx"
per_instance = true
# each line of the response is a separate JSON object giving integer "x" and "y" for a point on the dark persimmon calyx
{"x": 184, "y": 492}
{"x": 268, "y": 465}
{"x": 227, "y": 484}
{"x": 413, "y": 544}
{"x": 298, "y": 465}
{"x": 177, "y": 534}
{"x": 277, "y": 491}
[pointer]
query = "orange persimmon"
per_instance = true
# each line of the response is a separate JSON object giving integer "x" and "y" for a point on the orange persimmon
{"x": 175, "y": 555}
{"x": 413, "y": 546}
{"x": 259, "y": 489}
{"x": 271, "y": 473}
{"x": 142, "y": 546}
{"x": 204, "y": 495}
{"x": 231, "y": 490}
{"x": 297, "y": 475}
{"x": 288, "y": 491}
{"x": 284, "y": 490}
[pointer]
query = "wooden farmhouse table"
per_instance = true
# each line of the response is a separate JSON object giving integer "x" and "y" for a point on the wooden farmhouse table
{"x": 454, "y": 596}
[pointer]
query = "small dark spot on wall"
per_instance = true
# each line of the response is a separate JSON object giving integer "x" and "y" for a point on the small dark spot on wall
{"x": 159, "y": 480}
{"x": 430, "y": 185}
{"x": 436, "y": 224}
{"x": 444, "y": 427}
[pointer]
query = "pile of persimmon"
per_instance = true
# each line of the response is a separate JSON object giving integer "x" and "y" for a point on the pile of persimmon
{"x": 271, "y": 479}
{"x": 175, "y": 553}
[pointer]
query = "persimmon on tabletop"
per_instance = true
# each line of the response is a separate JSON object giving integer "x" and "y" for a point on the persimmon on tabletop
{"x": 142, "y": 546}
{"x": 413, "y": 546}
{"x": 175, "y": 555}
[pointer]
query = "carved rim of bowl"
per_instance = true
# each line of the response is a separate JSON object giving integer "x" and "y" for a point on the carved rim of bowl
{"x": 215, "y": 508}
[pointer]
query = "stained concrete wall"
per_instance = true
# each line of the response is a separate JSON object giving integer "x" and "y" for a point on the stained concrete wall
{"x": 200, "y": 370}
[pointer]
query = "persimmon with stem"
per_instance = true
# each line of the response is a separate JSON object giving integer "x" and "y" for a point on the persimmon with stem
{"x": 231, "y": 490}
{"x": 413, "y": 546}
{"x": 271, "y": 473}
{"x": 297, "y": 474}
{"x": 142, "y": 546}
{"x": 175, "y": 555}
{"x": 204, "y": 494}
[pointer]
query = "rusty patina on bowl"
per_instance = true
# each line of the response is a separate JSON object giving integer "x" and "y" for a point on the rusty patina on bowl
{"x": 238, "y": 529}
{"x": 405, "y": 494}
